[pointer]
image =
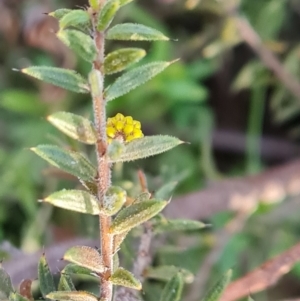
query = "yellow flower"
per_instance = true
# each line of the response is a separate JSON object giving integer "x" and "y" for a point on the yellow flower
{"x": 123, "y": 128}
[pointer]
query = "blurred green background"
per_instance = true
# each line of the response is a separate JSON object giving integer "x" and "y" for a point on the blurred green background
{"x": 219, "y": 97}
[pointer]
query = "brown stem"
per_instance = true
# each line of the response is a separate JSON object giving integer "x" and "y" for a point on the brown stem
{"x": 267, "y": 57}
{"x": 104, "y": 168}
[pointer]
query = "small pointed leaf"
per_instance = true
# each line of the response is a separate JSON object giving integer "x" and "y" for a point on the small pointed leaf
{"x": 86, "y": 257}
{"x": 74, "y": 126}
{"x": 74, "y": 200}
{"x": 125, "y": 278}
{"x": 135, "y": 215}
{"x": 79, "y": 42}
{"x": 120, "y": 59}
{"x": 167, "y": 225}
{"x": 94, "y": 4}
{"x": 134, "y": 78}
{"x": 250, "y": 299}
{"x": 166, "y": 272}
{"x": 114, "y": 199}
{"x": 63, "y": 78}
{"x": 69, "y": 161}
{"x": 73, "y": 268}
{"x": 66, "y": 283}
{"x": 108, "y": 12}
{"x": 72, "y": 296}
{"x": 5, "y": 284}
{"x": 45, "y": 277}
{"x": 146, "y": 147}
{"x": 118, "y": 239}
{"x": 116, "y": 261}
{"x": 96, "y": 83}
{"x": 144, "y": 196}
{"x": 115, "y": 149}
{"x": 216, "y": 291}
{"x": 173, "y": 289}
{"x": 165, "y": 192}
{"x": 76, "y": 18}
{"x": 134, "y": 32}
{"x": 59, "y": 13}
{"x": 17, "y": 297}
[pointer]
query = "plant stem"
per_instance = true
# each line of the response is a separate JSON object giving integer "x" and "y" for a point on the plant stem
{"x": 104, "y": 169}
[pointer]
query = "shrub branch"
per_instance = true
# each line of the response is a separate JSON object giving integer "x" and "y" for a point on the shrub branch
{"x": 104, "y": 168}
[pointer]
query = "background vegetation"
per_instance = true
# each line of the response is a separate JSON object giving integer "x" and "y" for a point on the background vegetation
{"x": 236, "y": 108}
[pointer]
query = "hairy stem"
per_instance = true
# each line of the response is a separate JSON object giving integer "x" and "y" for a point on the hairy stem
{"x": 104, "y": 168}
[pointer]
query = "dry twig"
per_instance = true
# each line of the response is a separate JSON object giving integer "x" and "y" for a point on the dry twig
{"x": 264, "y": 276}
{"x": 238, "y": 194}
{"x": 267, "y": 57}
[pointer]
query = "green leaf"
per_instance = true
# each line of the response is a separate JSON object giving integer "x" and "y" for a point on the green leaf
{"x": 73, "y": 268}
{"x": 17, "y": 297}
{"x": 66, "y": 79}
{"x": 108, "y": 12}
{"x": 114, "y": 199}
{"x": 74, "y": 126}
{"x": 120, "y": 59}
{"x": 45, "y": 277}
{"x": 165, "y": 192}
{"x": 59, "y": 13}
{"x": 146, "y": 147}
{"x": 134, "y": 32}
{"x": 134, "y": 78}
{"x": 216, "y": 291}
{"x": 250, "y": 299}
{"x": 116, "y": 261}
{"x": 76, "y": 18}
{"x": 94, "y": 4}
{"x": 72, "y": 296}
{"x": 118, "y": 239}
{"x": 166, "y": 272}
{"x": 167, "y": 225}
{"x": 79, "y": 42}
{"x": 173, "y": 289}
{"x": 135, "y": 215}
{"x": 86, "y": 257}
{"x": 5, "y": 284}
{"x": 74, "y": 200}
{"x": 96, "y": 83}
{"x": 66, "y": 283}
{"x": 115, "y": 149}
{"x": 69, "y": 161}
{"x": 125, "y": 278}
{"x": 144, "y": 196}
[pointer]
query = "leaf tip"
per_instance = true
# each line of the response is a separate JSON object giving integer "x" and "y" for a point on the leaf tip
{"x": 174, "y": 61}
{"x": 229, "y": 273}
{"x": 183, "y": 142}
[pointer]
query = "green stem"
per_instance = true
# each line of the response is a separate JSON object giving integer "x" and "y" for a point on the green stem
{"x": 104, "y": 168}
{"x": 254, "y": 130}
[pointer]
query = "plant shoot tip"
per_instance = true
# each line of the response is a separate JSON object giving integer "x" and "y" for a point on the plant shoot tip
{"x": 174, "y": 61}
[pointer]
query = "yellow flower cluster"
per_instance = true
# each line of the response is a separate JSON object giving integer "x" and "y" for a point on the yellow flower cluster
{"x": 123, "y": 128}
